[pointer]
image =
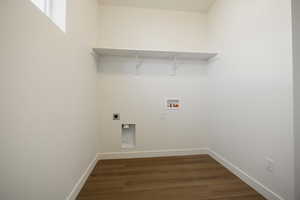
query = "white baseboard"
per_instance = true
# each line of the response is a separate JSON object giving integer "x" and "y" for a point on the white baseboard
{"x": 150, "y": 154}
{"x": 259, "y": 187}
{"x": 78, "y": 186}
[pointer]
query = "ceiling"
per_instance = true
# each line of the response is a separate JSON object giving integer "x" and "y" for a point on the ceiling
{"x": 179, "y": 5}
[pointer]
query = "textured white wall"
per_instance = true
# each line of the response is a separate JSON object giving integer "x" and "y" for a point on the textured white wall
{"x": 140, "y": 100}
{"x": 138, "y": 28}
{"x": 251, "y": 89}
{"x": 242, "y": 102}
{"x": 51, "y": 95}
{"x": 49, "y": 118}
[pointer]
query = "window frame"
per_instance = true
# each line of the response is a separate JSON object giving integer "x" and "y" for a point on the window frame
{"x": 47, "y": 6}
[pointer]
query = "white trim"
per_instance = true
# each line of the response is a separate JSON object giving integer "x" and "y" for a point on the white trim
{"x": 78, "y": 186}
{"x": 149, "y": 154}
{"x": 255, "y": 184}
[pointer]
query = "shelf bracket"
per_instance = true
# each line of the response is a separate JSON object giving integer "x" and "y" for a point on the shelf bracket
{"x": 175, "y": 66}
{"x": 97, "y": 59}
{"x": 139, "y": 63}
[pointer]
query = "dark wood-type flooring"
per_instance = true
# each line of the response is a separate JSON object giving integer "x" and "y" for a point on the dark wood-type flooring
{"x": 169, "y": 178}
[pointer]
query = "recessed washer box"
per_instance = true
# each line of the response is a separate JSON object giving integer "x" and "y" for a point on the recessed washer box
{"x": 128, "y": 136}
{"x": 173, "y": 104}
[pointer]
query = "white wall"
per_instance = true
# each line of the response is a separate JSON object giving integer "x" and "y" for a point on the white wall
{"x": 138, "y": 28}
{"x": 251, "y": 89}
{"x": 240, "y": 105}
{"x": 296, "y": 53}
{"x": 49, "y": 118}
{"x": 51, "y": 95}
{"x": 140, "y": 99}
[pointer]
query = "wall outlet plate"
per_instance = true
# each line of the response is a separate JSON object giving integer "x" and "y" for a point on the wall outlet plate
{"x": 172, "y": 103}
{"x": 270, "y": 165}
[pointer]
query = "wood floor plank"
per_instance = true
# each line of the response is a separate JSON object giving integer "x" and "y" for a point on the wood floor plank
{"x": 176, "y": 178}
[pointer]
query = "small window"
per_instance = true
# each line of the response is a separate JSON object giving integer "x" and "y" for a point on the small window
{"x": 55, "y": 10}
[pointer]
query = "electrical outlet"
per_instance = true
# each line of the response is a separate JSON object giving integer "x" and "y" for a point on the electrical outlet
{"x": 116, "y": 116}
{"x": 270, "y": 165}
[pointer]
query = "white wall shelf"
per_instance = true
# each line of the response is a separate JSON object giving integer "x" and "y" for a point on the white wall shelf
{"x": 205, "y": 56}
{"x": 142, "y": 54}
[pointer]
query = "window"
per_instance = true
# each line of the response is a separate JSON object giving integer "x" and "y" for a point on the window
{"x": 54, "y": 9}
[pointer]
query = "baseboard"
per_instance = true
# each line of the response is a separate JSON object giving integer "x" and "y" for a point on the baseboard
{"x": 78, "y": 186}
{"x": 150, "y": 154}
{"x": 259, "y": 187}
{"x": 136, "y": 154}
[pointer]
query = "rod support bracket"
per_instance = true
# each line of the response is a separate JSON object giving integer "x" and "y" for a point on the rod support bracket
{"x": 139, "y": 63}
{"x": 175, "y": 66}
{"x": 97, "y": 58}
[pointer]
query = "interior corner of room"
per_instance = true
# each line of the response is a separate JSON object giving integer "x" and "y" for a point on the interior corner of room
{"x": 168, "y": 99}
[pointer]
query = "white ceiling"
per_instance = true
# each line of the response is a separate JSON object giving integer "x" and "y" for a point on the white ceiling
{"x": 180, "y": 5}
